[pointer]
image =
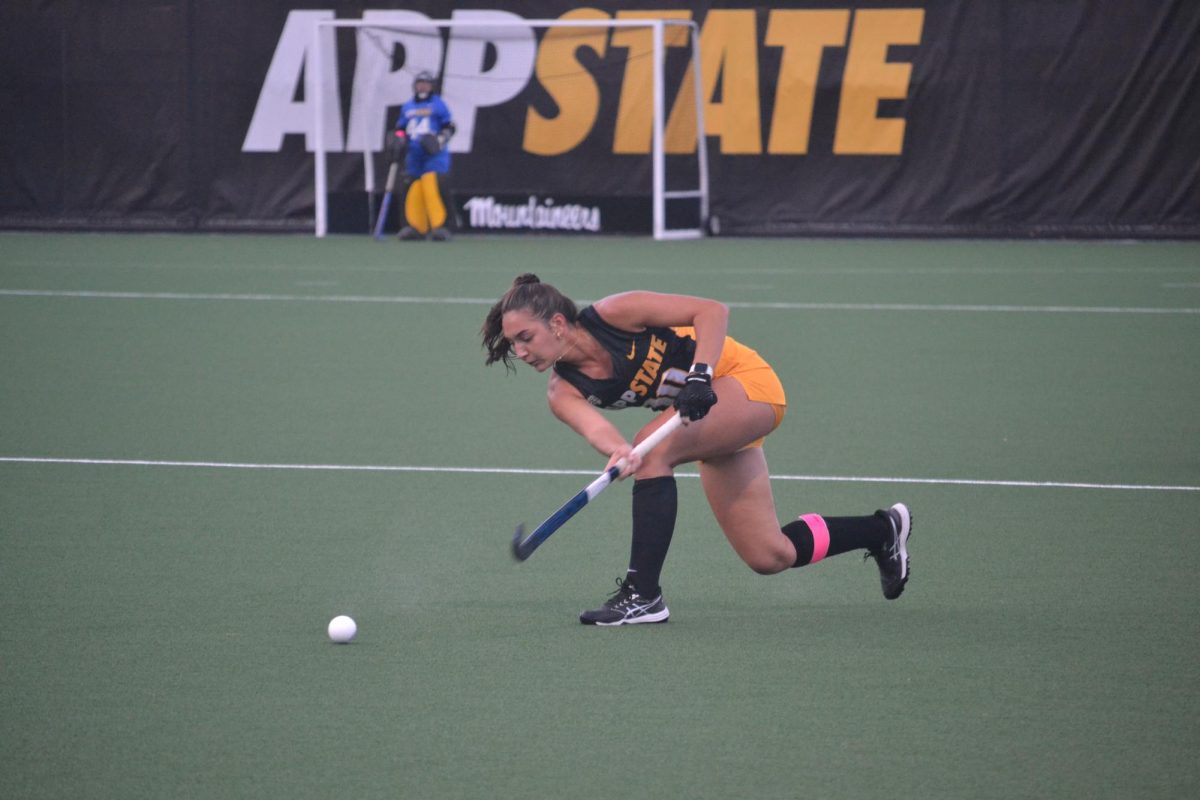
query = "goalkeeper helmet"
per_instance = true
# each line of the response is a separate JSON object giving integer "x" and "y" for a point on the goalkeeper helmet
{"x": 426, "y": 77}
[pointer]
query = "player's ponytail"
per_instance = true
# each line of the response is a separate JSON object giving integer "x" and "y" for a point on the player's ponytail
{"x": 527, "y": 293}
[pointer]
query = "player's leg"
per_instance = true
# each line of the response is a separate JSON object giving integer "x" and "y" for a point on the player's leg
{"x": 732, "y": 423}
{"x": 435, "y": 207}
{"x": 738, "y": 488}
{"x": 735, "y": 477}
{"x": 737, "y": 484}
{"x": 639, "y": 598}
{"x": 736, "y": 481}
{"x": 415, "y": 212}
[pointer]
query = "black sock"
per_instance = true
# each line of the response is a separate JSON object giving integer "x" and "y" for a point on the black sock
{"x": 655, "y": 502}
{"x": 817, "y": 537}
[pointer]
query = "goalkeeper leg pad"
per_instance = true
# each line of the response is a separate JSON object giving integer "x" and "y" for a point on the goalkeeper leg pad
{"x": 434, "y": 207}
{"x": 414, "y": 208}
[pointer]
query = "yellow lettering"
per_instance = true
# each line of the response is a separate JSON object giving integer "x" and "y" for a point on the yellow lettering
{"x": 869, "y": 78}
{"x": 635, "y": 110}
{"x": 657, "y": 346}
{"x": 569, "y": 84}
{"x": 729, "y": 46}
{"x": 803, "y": 35}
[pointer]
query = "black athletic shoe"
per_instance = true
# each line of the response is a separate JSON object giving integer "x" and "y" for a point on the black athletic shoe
{"x": 440, "y": 235}
{"x": 410, "y": 234}
{"x": 892, "y": 557}
{"x": 627, "y": 607}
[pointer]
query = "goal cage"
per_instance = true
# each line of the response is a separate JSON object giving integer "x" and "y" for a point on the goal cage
{"x": 551, "y": 119}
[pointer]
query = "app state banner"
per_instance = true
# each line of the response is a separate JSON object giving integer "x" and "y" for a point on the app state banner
{"x": 954, "y": 118}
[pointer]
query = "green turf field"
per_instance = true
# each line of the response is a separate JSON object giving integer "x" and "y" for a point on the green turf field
{"x": 1037, "y": 405}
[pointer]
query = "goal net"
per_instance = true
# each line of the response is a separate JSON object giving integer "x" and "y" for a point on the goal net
{"x": 584, "y": 123}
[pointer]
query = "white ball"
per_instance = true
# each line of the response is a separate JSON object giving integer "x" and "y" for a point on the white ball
{"x": 342, "y": 629}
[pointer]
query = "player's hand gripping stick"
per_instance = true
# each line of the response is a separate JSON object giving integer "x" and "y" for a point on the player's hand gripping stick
{"x": 697, "y": 396}
{"x": 522, "y": 548}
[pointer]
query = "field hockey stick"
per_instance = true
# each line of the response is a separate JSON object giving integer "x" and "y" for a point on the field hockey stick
{"x": 522, "y": 548}
{"x": 387, "y": 199}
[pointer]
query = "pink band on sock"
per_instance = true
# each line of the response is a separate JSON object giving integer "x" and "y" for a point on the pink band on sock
{"x": 820, "y": 533}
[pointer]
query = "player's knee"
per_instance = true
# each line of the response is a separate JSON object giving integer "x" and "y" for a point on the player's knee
{"x": 766, "y": 561}
{"x": 654, "y": 467}
{"x": 765, "y": 567}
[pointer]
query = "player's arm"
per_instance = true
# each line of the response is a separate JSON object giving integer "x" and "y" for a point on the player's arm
{"x": 710, "y": 319}
{"x": 434, "y": 143}
{"x": 634, "y": 311}
{"x": 571, "y": 408}
{"x": 446, "y": 126}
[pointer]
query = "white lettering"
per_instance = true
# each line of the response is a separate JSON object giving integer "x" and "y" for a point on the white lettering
{"x": 466, "y": 86}
{"x": 376, "y": 85}
{"x": 276, "y": 113}
{"x": 485, "y": 212}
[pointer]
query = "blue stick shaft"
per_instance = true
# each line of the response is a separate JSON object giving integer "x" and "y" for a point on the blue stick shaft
{"x": 523, "y": 548}
{"x": 569, "y": 509}
{"x": 387, "y": 200}
{"x": 383, "y": 212}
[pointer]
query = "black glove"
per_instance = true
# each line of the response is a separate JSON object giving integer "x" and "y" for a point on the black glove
{"x": 697, "y": 395}
{"x": 431, "y": 144}
{"x": 397, "y": 145}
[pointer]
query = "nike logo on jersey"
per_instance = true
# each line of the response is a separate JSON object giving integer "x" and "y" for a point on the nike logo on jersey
{"x": 632, "y": 350}
{"x": 645, "y": 377}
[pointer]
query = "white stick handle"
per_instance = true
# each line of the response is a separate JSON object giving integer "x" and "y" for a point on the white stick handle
{"x": 609, "y": 475}
{"x": 651, "y": 441}
{"x": 391, "y": 178}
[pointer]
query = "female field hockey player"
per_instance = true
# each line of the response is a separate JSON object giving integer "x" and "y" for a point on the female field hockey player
{"x": 665, "y": 351}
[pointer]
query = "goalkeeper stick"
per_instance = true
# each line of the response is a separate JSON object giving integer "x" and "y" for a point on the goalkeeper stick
{"x": 522, "y": 548}
{"x": 387, "y": 199}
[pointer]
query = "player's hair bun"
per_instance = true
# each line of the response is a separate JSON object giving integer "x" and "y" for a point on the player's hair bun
{"x": 528, "y": 277}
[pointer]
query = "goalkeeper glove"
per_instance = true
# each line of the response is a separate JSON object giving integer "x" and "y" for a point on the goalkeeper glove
{"x": 697, "y": 396}
{"x": 397, "y": 145}
{"x": 431, "y": 144}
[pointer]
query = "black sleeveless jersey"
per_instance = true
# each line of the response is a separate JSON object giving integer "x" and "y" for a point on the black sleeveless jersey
{"x": 649, "y": 368}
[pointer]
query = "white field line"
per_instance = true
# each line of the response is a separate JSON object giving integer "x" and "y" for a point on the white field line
{"x": 260, "y": 298}
{"x": 328, "y": 298}
{"x": 726, "y": 270}
{"x": 124, "y": 462}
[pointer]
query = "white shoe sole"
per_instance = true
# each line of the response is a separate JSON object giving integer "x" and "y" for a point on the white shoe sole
{"x": 660, "y": 616}
{"x": 905, "y": 529}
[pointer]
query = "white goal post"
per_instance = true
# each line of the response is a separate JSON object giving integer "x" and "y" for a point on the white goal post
{"x": 659, "y": 192}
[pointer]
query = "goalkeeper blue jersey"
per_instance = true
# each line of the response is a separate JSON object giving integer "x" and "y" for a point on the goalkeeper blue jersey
{"x": 419, "y": 118}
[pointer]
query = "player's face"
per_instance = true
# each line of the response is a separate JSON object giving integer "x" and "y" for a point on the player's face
{"x": 531, "y": 338}
{"x": 423, "y": 88}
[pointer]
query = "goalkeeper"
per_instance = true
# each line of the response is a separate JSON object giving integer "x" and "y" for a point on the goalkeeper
{"x": 421, "y": 134}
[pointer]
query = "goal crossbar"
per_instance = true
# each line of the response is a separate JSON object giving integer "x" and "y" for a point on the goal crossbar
{"x": 659, "y": 193}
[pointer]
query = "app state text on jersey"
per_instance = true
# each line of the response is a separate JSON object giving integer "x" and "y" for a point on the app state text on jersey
{"x": 649, "y": 367}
